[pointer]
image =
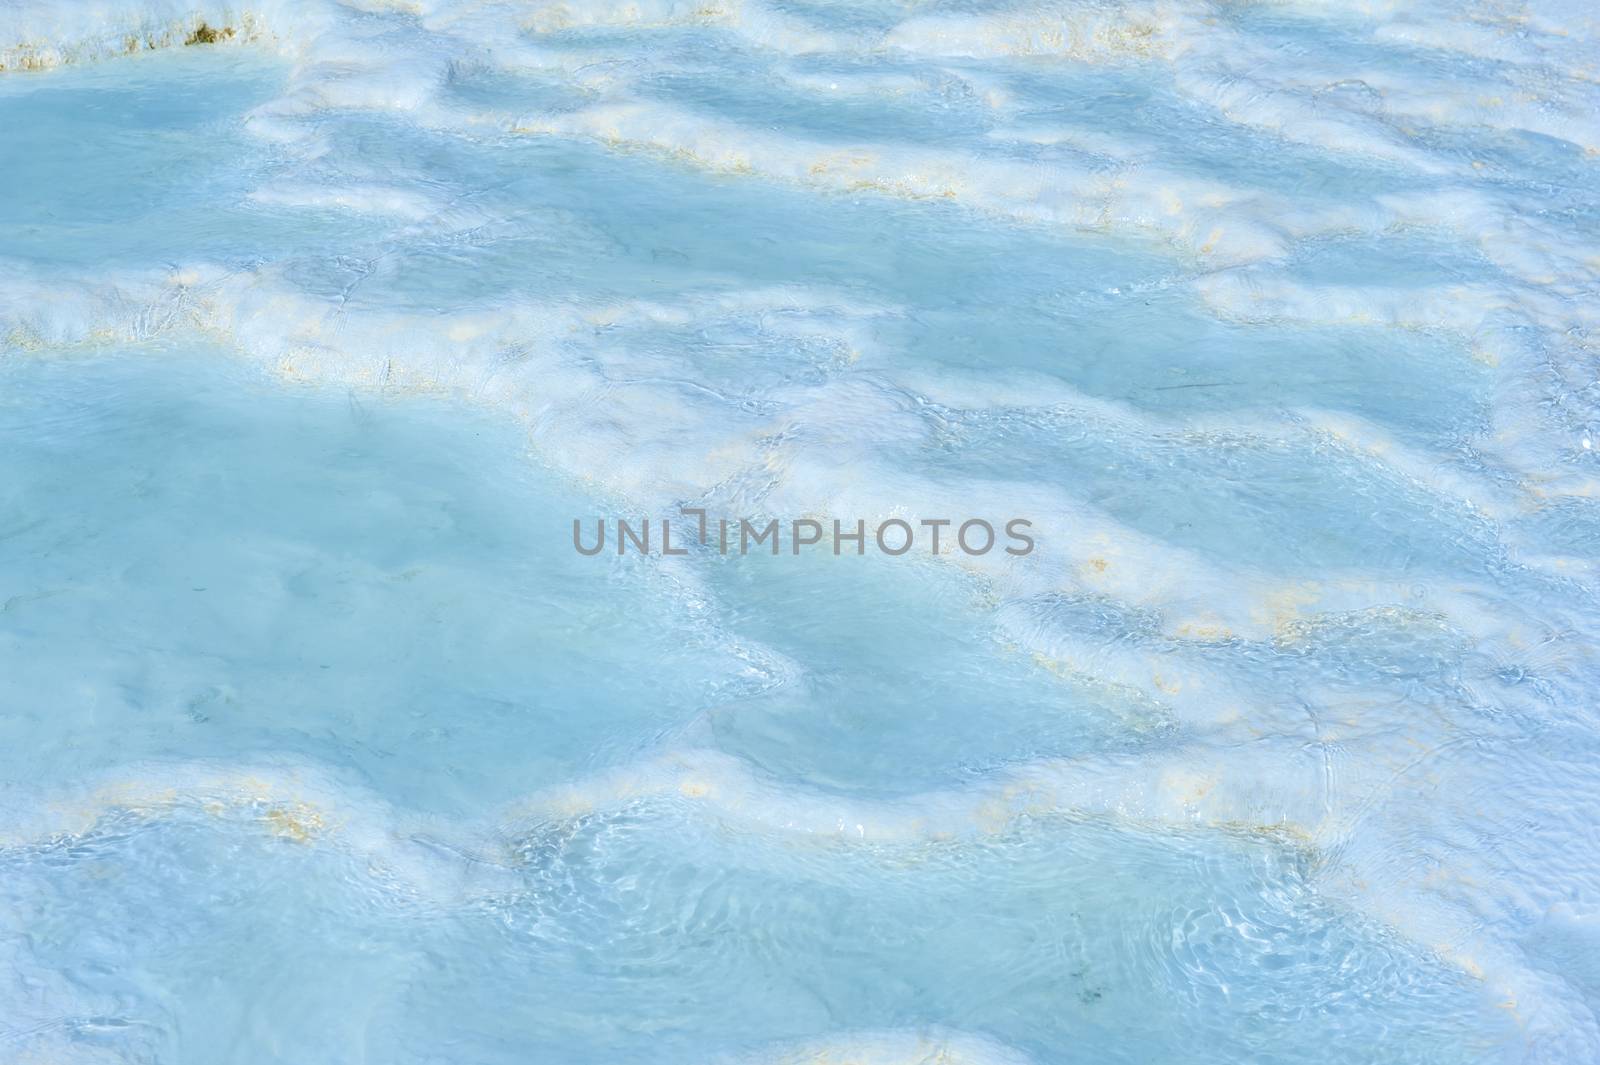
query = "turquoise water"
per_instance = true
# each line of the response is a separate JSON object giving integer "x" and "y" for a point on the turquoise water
{"x": 319, "y": 742}
{"x": 310, "y": 648}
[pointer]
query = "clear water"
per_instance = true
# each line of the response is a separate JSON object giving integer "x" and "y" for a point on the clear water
{"x": 320, "y": 743}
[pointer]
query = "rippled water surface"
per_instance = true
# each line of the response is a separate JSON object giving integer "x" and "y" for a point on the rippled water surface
{"x": 321, "y": 320}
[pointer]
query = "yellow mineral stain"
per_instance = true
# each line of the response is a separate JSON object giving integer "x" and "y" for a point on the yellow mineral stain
{"x": 1282, "y": 832}
{"x": 1205, "y": 631}
{"x": 1093, "y": 570}
{"x": 1280, "y": 610}
{"x": 1185, "y": 786}
{"x": 1053, "y": 665}
{"x": 300, "y": 823}
{"x": 204, "y": 34}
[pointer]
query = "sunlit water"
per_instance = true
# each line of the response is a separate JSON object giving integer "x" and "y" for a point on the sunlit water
{"x": 319, "y": 742}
